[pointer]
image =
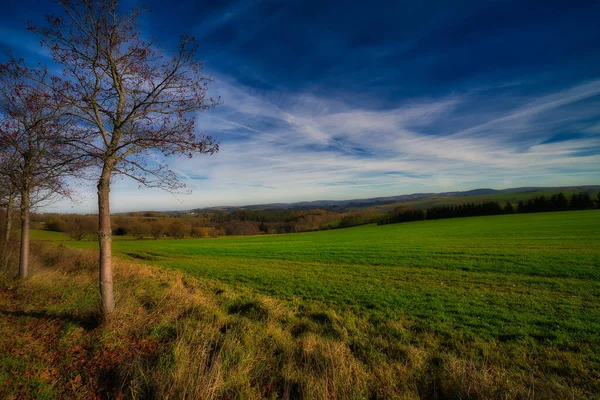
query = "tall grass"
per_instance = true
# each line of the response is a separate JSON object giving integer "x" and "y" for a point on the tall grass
{"x": 177, "y": 336}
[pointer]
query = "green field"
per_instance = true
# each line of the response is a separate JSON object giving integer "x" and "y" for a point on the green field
{"x": 517, "y": 278}
{"x": 502, "y": 307}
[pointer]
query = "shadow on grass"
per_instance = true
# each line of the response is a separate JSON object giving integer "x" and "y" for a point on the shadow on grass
{"x": 87, "y": 322}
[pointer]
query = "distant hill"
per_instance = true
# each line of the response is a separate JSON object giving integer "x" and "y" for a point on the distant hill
{"x": 417, "y": 200}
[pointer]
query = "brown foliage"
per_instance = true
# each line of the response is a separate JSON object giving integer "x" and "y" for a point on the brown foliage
{"x": 81, "y": 227}
{"x": 139, "y": 230}
{"x": 178, "y": 229}
{"x": 57, "y": 224}
{"x": 157, "y": 229}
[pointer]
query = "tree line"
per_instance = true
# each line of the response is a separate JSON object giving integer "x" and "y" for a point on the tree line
{"x": 157, "y": 225}
{"x": 556, "y": 202}
{"x": 195, "y": 225}
{"x": 559, "y": 202}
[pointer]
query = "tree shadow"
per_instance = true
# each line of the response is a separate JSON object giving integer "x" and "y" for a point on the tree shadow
{"x": 88, "y": 322}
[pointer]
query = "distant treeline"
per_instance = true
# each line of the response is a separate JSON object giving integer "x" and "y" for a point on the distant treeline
{"x": 156, "y": 225}
{"x": 556, "y": 202}
{"x": 559, "y": 202}
{"x": 145, "y": 225}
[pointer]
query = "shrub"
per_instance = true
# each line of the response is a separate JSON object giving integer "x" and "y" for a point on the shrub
{"x": 57, "y": 225}
{"x": 196, "y": 232}
{"x": 138, "y": 230}
{"x": 178, "y": 229}
{"x": 78, "y": 227}
{"x": 157, "y": 229}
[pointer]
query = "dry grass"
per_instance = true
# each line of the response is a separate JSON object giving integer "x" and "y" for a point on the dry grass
{"x": 174, "y": 336}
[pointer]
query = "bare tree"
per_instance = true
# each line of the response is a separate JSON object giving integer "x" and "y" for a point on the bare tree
{"x": 8, "y": 194}
{"x": 133, "y": 102}
{"x": 79, "y": 227}
{"x": 157, "y": 229}
{"x": 31, "y": 126}
{"x": 178, "y": 229}
{"x": 139, "y": 230}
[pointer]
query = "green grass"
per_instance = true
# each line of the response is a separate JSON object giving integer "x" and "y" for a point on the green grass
{"x": 45, "y": 235}
{"x": 531, "y": 278}
{"x": 42, "y": 234}
{"x": 489, "y": 307}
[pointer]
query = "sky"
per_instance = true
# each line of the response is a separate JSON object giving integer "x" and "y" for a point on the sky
{"x": 343, "y": 100}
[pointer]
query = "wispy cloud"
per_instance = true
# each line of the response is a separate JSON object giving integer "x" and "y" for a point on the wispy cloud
{"x": 314, "y": 108}
{"x": 293, "y": 147}
{"x": 330, "y": 153}
{"x": 17, "y": 40}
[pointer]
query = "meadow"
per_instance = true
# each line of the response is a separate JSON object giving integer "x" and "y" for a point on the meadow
{"x": 516, "y": 277}
{"x": 483, "y": 307}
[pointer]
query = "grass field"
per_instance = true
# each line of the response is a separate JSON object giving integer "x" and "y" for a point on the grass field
{"x": 517, "y": 277}
{"x": 511, "y": 302}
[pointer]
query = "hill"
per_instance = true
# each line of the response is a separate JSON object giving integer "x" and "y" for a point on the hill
{"x": 419, "y": 200}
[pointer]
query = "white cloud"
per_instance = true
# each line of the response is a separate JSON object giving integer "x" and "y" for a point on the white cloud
{"x": 291, "y": 147}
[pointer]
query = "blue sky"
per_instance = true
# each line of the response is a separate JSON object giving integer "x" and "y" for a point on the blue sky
{"x": 337, "y": 100}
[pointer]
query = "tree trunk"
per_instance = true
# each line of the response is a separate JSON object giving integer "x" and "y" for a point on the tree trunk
{"x": 7, "y": 229}
{"x": 25, "y": 225}
{"x": 105, "y": 241}
{"x": 8, "y": 223}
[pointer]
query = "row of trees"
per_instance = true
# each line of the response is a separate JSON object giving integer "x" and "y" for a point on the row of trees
{"x": 143, "y": 225}
{"x": 118, "y": 103}
{"x": 404, "y": 216}
{"x": 157, "y": 225}
{"x": 157, "y": 229}
{"x": 361, "y": 217}
{"x": 277, "y": 221}
{"x": 80, "y": 227}
{"x": 556, "y": 202}
{"x": 465, "y": 210}
{"x": 559, "y": 202}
